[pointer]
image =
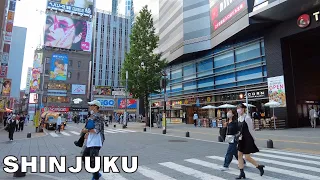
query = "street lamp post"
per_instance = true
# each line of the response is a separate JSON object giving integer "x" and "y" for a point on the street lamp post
{"x": 164, "y": 85}
{"x": 126, "y": 108}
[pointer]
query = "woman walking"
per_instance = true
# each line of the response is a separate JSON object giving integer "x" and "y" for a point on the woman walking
{"x": 246, "y": 144}
{"x": 232, "y": 130}
{"x": 11, "y": 126}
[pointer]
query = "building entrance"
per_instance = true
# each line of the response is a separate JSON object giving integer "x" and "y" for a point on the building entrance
{"x": 301, "y": 62}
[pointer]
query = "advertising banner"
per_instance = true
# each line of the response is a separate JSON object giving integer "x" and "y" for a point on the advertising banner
{"x": 35, "y": 80}
{"x": 102, "y": 90}
{"x": 6, "y": 87}
{"x": 57, "y": 109}
{"x": 67, "y": 33}
{"x": 81, "y": 7}
{"x": 276, "y": 90}
{"x": 27, "y": 91}
{"x": 59, "y": 67}
{"x": 33, "y": 98}
{"x": 224, "y": 13}
{"x": 4, "y": 59}
{"x": 106, "y": 102}
{"x": 78, "y": 89}
{"x": 3, "y": 71}
{"x": 37, "y": 61}
{"x": 131, "y": 103}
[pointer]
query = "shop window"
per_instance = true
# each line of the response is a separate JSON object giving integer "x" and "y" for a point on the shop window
{"x": 223, "y": 86}
{"x": 205, "y": 68}
{"x": 249, "y": 74}
{"x": 189, "y": 72}
{"x": 224, "y": 59}
{"x": 248, "y": 52}
{"x": 225, "y": 79}
{"x": 58, "y": 99}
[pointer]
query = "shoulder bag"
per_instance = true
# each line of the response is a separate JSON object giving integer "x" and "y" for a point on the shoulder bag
{"x": 229, "y": 138}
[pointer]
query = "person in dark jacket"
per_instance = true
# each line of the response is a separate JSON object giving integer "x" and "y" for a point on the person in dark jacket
{"x": 11, "y": 126}
{"x": 21, "y": 122}
{"x": 231, "y": 130}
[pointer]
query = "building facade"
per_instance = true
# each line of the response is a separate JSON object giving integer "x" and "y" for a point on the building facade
{"x": 218, "y": 50}
{"x": 16, "y": 59}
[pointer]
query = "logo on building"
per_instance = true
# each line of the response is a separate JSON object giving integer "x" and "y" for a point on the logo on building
{"x": 303, "y": 21}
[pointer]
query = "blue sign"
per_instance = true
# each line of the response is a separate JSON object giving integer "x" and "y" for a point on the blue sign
{"x": 106, "y": 102}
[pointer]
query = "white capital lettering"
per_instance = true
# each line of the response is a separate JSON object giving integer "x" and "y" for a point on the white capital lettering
{"x": 78, "y": 167}
{"x": 110, "y": 163}
{"x": 10, "y": 163}
{"x": 316, "y": 15}
{"x": 25, "y": 164}
{"x": 134, "y": 164}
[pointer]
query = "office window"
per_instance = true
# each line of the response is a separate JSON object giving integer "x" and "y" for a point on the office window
{"x": 223, "y": 59}
{"x": 176, "y": 76}
{"x": 48, "y": 60}
{"x": 248, "y": 52}
{"x": 79, "y": 64}
{"x": 70, "y": 63}
{"x": 205, "y": 67}
{"x": 69, "y": 75}
{"x": 189, "y": 72}
{"x": 78, "y": 76}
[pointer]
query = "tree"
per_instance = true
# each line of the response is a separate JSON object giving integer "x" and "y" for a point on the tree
{"x": 143, "y": 65}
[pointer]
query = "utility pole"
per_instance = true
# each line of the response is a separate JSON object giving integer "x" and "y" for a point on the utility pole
{"x": 126, "y": 108}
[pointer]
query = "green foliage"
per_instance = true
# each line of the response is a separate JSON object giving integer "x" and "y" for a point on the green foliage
{"x": 143, "y": 80}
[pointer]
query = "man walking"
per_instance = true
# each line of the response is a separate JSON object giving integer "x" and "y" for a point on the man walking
{"x": 313, "y": 117}
{"x": 58, "y": 123}
{"x": 94, "y": 136}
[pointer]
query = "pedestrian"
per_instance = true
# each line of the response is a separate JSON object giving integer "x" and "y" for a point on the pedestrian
{"x": 159, "y": 120}
{"x": 313, "y": 115}
{"x": 21, "y": 122}
{"x": 11, "y": 123}
{"x": 16, "y": 117}
{"x": 232, "y": 130}
{"x": 58, "y": 124}
{"x": 94, "y": 135}
{"x": 195, "y": 118}
{"x": 246, "y": 144}
{"x": 27, "y": 118}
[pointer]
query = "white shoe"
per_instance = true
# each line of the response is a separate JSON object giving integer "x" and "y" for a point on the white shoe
{"x": 223, "y": 169}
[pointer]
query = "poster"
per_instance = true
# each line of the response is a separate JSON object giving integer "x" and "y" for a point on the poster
{"x": 67, "y": 33}
{"x": 35, "y": 80}
{"x": 59, "y": 67}
{"x": 78, "y": 89}
{"x": 37, "y": 61}
{"x": 102, "y": 90}
{"x": 6, "y": 87}
{"x": 81, "y": 7}
{"x": 131, "y": 103}
{"x": 276, "y": 90}
{"x": 27, "y": 91}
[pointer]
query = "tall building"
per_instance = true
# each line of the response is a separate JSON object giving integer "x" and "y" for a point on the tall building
{"x": 115, "y": 7}
{"x": 112, "y": 41}
{"x": 220, "y": 51}
{"x": 16, "y": 59}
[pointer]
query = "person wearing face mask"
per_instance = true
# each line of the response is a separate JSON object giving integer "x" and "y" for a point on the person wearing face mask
{"x": 232, "y": 130}
{"x": 246, "y": 144}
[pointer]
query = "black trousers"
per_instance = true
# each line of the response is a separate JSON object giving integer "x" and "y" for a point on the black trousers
{"x": 92, "y": 152}
{"x": 21, "y": 126}
{"x": 11, "y": 131}
{"x": 17, "y": 127}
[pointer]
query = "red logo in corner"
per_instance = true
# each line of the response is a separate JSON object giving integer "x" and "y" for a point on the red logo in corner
{"x": 303, "y": 21}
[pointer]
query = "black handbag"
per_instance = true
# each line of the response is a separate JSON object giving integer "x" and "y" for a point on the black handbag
{"x": 238, "y": 136}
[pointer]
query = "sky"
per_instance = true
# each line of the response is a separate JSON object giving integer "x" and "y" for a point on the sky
{"x": 30, "y": 14}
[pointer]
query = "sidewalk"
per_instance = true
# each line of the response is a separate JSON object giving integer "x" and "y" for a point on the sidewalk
{"x": 20, "y": 135}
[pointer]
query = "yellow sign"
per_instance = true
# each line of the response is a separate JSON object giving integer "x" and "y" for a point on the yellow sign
{"x": 36, "y": 119}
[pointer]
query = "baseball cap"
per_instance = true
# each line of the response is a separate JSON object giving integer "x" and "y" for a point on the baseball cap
{"x": 95, "y": 102}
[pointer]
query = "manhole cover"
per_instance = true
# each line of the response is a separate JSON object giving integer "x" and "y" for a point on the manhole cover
{"x": 176, "y": 140}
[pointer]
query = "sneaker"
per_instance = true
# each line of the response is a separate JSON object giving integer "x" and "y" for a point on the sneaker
{"x": 223, "y": 168}
{"x": 99, "y": 177}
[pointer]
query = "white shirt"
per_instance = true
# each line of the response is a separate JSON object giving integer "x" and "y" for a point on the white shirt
{"x": 195, "y": 117}
{"x": 59, "y": 120}
{"x": 94, "y": 140}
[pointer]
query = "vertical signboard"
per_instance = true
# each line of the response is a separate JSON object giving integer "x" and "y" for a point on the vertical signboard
{"x": 6, "y": 87}
{"x": 27, "y": 91}
{"x": 59, "y": 67}
{"x": 276, "y": 90}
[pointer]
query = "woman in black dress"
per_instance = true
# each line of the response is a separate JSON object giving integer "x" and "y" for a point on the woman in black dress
{"x": 246, "y": 144}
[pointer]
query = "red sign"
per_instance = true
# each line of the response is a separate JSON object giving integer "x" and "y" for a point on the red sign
{"x": 303, "y": 21}
{"x": 57, "y": 109}
{"x": 131, "y": 103}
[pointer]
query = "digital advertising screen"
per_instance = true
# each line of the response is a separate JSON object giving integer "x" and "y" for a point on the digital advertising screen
{"x": 67, "y": 33}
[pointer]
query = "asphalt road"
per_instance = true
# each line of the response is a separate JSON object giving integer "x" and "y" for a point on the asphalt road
{"x": 161, "y": 157}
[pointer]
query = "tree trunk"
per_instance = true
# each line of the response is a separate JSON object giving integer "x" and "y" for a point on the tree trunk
{"x": 146, "y": 105}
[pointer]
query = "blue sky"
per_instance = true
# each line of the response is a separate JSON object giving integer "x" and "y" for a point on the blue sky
{"x": 30, "y": 14}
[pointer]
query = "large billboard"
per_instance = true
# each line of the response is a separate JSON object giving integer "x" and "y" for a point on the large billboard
{"x": 67, "y": 33}
{"x": 59, "y": 67}
{"x": 80, "y": 7}
{"x": 6, "y": 87}
{"x": 37, "y": 61}
{"x": 102, "y": 90}
{"x": 35, "y": 80}
{"x": 224, "y": 13}
{"x": 131, "y": 103}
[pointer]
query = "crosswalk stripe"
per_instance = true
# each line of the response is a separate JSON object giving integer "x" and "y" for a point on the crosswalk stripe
{"x": 190, "y": 171}
{"x": 106, "y": 131}
{"x": 76, "y": 133}
{"x": 153, "y": 174}
{"x": 276, "y": 170}
{"x": 230, "y": 170}
{"x": 290, "y": 154}
{"x": 128, "y": 130}
{"x": 288, "y": 158}
{"x": 118, "y": 130}
{"x": 112, "y": 176}
{"x": 64, "y": 133}
{"x": 54, "y": 134}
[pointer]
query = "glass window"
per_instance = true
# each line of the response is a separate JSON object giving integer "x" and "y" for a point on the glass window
{"x": 250, "y": 62}
{"x": 208, "y": 82}
{"x": 262, "y": 48}
{"x": 224, "y": 69}
{"x": 248, "y": 52}
{"x": 58, "y": 99}
{"x": 225, "y": 79}
{"x": 189, "y": 72}
{"x": 224, "y": 59}
{"x": 249, "y": 74}
{"x": 69, "y": 75}
{"x": 78, "y": 76}
{"x": 205, "y": 67}
{"x": 79, "y": 64}
{"x": 48, "y": 60}
{"x": 176, "y": 76}
{"x": 189, "y": 85}
{"x": 70, "y": 63}
{"x": 58, "y": 86}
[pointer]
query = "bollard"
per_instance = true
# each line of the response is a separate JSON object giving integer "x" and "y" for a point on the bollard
{"x": 124, "y": 126}
{"x": 114, "y": 126}
{"x": 187, "y": 134}
{"x": 269, "y": 143}
{"x": 18, "y": 173}
{"x": 220, "y": 139}
{"x": 144, "y": 129}
{"x": 164, "y": 131}
{"x": 107, "y": 125}
{"x": 29, "y": 135}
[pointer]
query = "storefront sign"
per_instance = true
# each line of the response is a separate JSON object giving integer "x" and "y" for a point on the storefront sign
{"x": 77, "y": 101}
{"x": 176, "y": 104}
{"x": 106, "y": 102}
{"x": 175, "y": 120}
{"x": 78, "y": 89}
{"x": 276, "y": 90}
{"x": 102, "y": 90}
{"x": 118, "y": 93}
{"x": 303, "y": 21}
{"x": 131, "y": 103}
{"x": 79, "y": 109}
{"x": 57, "y": 109}
{"x": 256, "y": 94}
